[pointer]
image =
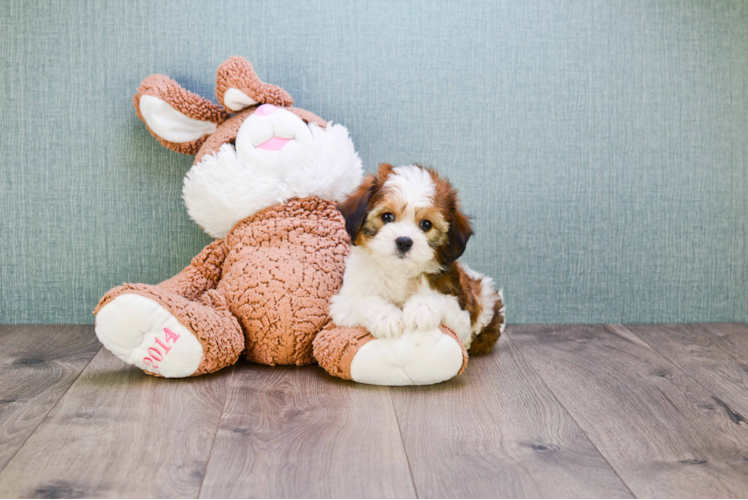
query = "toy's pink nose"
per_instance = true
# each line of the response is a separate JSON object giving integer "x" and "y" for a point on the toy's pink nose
{"x": 266, "y": 109}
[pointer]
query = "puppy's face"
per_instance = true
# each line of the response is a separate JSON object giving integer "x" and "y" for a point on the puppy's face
{"x": 408, "y": 217}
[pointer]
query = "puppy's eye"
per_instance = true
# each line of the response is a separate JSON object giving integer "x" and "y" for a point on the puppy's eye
{"x": 425, "y": 225}
{"x": 388, "y": 217}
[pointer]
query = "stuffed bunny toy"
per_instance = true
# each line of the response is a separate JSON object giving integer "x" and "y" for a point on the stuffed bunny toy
{"x": 265, "y": 183}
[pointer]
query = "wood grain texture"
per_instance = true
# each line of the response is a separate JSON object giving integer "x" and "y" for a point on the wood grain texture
{"x": 694, "y": 349}
{"x": 120, "y": 432}
{"x": 497, "y": 431}
{"x": 37, "y": 365}
{"x": 732, "y": 337}
{"x": 297, "y": 432}
{"x": 556, "y": 411}
{"x": 661, "y": 431}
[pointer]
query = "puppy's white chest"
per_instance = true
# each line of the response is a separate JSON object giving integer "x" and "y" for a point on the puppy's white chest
{"x": 394, "y": 288}
{"x": 365, "y": 276}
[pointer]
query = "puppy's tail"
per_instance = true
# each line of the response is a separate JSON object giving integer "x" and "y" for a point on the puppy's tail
{"x": 485, "y": 340}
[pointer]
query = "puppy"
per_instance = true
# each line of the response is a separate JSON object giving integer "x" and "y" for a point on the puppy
{"x": 408, "y": 231}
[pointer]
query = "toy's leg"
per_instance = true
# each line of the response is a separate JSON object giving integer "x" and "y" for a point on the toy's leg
{"x": 166, "y": 334}
{"x": 416, "y": 358}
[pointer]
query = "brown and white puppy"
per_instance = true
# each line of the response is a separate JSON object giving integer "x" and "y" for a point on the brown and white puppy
{"x": 408, "y": 231}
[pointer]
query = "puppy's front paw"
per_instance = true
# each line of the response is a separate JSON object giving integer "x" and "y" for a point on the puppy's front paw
{"x": 421, "y": 315}
{"x": 386, "y": 324}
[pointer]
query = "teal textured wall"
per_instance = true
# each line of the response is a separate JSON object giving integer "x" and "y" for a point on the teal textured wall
{"x": 601, "y": 145}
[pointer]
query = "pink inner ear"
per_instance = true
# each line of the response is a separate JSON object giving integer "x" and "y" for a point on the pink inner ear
{"x": 274, "y": 144}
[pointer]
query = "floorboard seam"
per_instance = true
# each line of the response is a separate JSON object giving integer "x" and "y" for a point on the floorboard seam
{"x": 402, "y": 442}
{"x": 675, "y": 363}
{"x": 52, "y": 408}
{"x": 218, "y": 426}
{"x": 581, "y": 429}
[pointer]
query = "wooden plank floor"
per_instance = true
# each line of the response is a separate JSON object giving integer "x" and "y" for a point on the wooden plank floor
{"x": 555, "y": 411}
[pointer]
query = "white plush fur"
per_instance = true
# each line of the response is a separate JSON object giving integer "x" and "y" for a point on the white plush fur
{"x": 225, "y": 188}
{"x": 281, "y": 123}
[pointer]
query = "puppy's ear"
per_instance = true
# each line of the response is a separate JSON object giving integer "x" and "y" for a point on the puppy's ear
{"x": 356, "y": 206}
{"x": 179, "y": 119}
{"x": 458, "y": 235}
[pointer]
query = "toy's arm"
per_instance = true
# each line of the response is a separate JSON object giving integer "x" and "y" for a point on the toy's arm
{"x": 201, "y": 275}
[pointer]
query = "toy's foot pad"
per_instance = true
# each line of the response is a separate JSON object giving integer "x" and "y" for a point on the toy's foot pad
{"x": 140, "y": 332}
{"x": 416, "y": 358}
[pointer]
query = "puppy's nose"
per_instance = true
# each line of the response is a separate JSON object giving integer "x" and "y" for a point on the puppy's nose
{"x": 403, "y": 244}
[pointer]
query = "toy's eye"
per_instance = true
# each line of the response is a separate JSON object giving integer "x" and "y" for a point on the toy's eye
{"x": 425, "y": 225}
{"x": 388, "y": 217}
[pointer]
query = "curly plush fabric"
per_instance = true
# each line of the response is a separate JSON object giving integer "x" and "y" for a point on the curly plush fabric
{"x": 263, "y": 290}
{"x": 283, "y": 266}
{"x": 209, "y": 321}
{"x": 236, "y": 72}
{"x": 202, "y": 274}
{"x": 335, "y": 347}
{"x": 182, "y": 100}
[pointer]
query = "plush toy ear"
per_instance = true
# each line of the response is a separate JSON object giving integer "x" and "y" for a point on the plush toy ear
{"x": 238, "y": 87}
{"x": 356, "y": 206}
{"x": 458, "y": 235}
{"x": 179, "y": 119}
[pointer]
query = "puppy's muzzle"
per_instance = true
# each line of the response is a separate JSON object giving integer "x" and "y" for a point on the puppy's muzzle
{"x": 403, "y": 244}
